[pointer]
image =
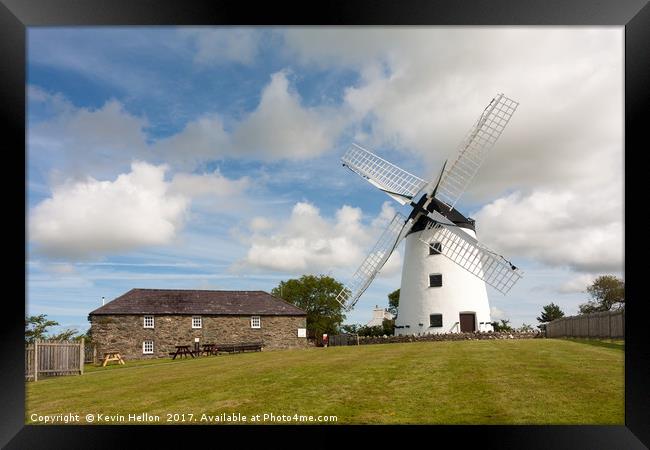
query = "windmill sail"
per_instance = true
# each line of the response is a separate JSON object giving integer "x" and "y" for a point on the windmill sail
{"x": 474, "y": 148}
{"x": 370, "y": 267}
{"x": 469, "y": 254}
{"x": 397, "y": 183}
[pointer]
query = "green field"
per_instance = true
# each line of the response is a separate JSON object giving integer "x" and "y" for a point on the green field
{"x": 533, "y": 381}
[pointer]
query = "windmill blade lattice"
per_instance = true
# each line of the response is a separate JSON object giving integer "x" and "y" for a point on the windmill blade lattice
{"x": 469, "y": 254}
{"x": 370, "y": 267}
{"x": 398, "y": 183}
{"x": 474, "y": 148}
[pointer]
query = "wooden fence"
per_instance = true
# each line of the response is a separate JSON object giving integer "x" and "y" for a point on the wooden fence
{"x": 343, "y": 339}
{"x": 90, "y": 353}
{"x": 54, "y": 359}
{"x": 608, "y": 324}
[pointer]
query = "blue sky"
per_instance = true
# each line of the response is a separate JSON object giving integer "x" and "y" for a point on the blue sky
{"x": 208, "y": 158}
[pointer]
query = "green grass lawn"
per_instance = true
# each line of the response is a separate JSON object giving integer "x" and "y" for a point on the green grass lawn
{"x": 535, "y": 381}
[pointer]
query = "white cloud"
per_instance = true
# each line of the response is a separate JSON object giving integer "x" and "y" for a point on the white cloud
{"x": 281, "y": 127}
{"x": 78, "y": 141}
{"x": 101, "y": 142}
{"x": 561, "y": 228}
{"x": 202, "y": 139}
{"x": 60, "y": 269}
{"x": 308, "y": 242}
{"x": 260, "y": 224}
{"x": 212, "y": 184}
{"x": 86, "y": 218}
{"x": 217, "y": 46}
{"x": 577, "y": 284}
{"x": 421, "y": 89}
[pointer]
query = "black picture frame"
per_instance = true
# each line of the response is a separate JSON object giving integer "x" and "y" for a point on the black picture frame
{"x": 16, "y": 15}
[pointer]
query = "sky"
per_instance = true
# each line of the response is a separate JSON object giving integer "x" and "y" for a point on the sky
{"x": 209, "y": 157}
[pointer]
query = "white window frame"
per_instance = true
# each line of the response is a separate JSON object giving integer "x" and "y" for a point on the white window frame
{"x": 144, "y": 348}
{"x": 200, "y": 322}
{"x": 257, "y": 319}
{"x": 145, "y": 322}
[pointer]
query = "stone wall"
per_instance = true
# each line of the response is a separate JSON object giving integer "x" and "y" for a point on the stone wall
{"x": 450, "y": 337}
{"x": 126, "y": 333}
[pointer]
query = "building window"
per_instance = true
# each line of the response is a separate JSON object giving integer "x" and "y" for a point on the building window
{"x": 435, "y": 320}
{"x": 435, "y": 280}
{"x": 435, "y": 248}
{"x": 196, "y": 322}
{"x": 148, "y": 321}
{"x": 147, "y": 347}
{"x": 256, "y": 322}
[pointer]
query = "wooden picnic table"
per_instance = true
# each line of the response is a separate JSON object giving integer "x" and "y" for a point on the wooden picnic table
{"x": 209, "y": 349}
{"x": 183, "y": 351}
{"x": 112, "y": 356}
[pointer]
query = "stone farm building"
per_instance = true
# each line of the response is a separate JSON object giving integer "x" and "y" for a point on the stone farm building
{"x": 149, "y": 323}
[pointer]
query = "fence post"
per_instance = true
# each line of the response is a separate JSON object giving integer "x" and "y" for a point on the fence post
{"x": 82, "y": 356}
{"x": 609, "y": 323}
{"x": 36, "y": 360}
{"x": 623, "y": 322}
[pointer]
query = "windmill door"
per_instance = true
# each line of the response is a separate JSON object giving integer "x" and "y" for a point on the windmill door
{"x": 467, "y": 323}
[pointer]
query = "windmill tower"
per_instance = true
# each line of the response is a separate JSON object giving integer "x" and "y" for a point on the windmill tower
{"x": 445, "y": 268}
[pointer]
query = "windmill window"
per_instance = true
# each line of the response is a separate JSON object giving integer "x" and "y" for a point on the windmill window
{"x": 435, "y": 280}
{"x": 148, "y": 321}
{"x": 196, "y": 322}
{"x": 435, "y": 248}
{"x": 435, "y": 320}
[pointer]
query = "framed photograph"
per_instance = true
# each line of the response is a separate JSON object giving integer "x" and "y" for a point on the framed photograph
{"x": 410, "y": 217}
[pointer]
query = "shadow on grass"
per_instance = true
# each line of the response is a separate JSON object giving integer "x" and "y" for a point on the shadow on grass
{"x": 605, "y": 343}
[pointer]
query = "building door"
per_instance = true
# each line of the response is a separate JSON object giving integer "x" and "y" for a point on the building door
{"x": 467, "y": 322}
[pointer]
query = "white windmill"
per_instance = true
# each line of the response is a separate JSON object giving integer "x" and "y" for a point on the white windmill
{"x": 445, "y": 268}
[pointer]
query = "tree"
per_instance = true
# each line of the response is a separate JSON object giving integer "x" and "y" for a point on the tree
{"x": 66, "y": 335}
{"x": 388, "y": 327}
{"x": 607, "y": 293}
{"x": 350, "y": 328}
{"x": 525, "y": 328}
{"x": 36, "y": 327}
{"x": 377, "y": 330}
{"x": 550, "y": 312}
{"x": 503, "y": 326}
{"x": 87, "y": 336}
{"x": 393, "y": 302}
{"x": 317, "y": 296}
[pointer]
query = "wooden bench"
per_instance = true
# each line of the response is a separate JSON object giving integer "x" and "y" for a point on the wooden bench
{"x": 241, "y": 347}
{"x": 112, "y": 356}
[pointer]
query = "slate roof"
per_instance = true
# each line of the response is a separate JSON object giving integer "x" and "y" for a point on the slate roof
{"x": 179, "y": 302}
